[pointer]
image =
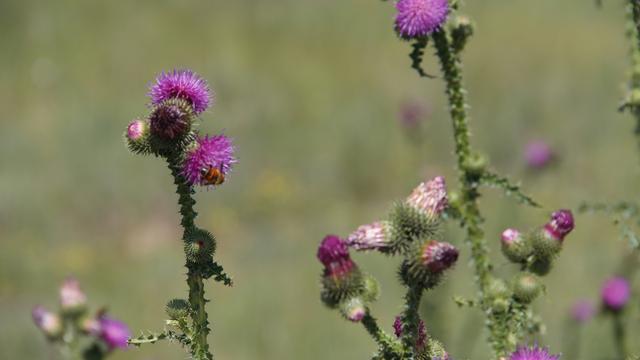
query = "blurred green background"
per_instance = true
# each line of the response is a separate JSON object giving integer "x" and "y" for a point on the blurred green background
{"x": 310, "y": 91}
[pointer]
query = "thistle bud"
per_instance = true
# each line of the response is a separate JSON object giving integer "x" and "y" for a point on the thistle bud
{"x": 370, "y": 236}
{"x": 177, "y": 309}
{"x": 475, "y": 164}
{"x": 353, "y": 309}
{"x": 514, "y": 246}
{"x": 371, "y": 289}
{"x": 72, "y": 299}
{"x": 408, "y": 224}
{"x": 615, "y": 293}
{"x": 137, "y": 137}
{"x": 199, "y": 245}
{"x": 341, "y": 278}
{"x": 50, "y": 323}
{"x": 428, "y": 263}
{"x": 547, "y": 242}
{"x": 170, "y": 125}
{"x": 526, "y": 287}
{"x": 461, "y": 30}
{"x": 430, "y": 197}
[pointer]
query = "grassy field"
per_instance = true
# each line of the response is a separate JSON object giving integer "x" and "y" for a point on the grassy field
{"x": 310, "y": 92}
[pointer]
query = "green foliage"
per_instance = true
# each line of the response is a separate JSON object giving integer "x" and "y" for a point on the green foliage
{"x": 417, "y": 55}
{"x": 514, "y": 190}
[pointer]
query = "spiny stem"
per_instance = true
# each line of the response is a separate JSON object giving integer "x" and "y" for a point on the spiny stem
{"x": 199, "y": 346}
{"x": 386, "y": 343}
{"x": 470, "y": 212}
{"x": 411, "y": 318}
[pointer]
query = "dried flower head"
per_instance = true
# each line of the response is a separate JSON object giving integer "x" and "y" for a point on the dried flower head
{"x": 439, "y": 256}
{"x": 181, "y": 84}
{"x": 72, "y": 298}
{"x": 49, "y": 323}
{"x": 533, "y": 353}
{"x": 213, "y": 153}
{"x": 333, "y": 253}
{"x": 615, "y": 293}
{"x": 430, "y": 197}
{"x": 418, "y": 18}
{"x": 370, "y": 236}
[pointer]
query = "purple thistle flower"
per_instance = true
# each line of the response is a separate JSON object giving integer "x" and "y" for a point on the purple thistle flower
{"x": 115, "y": 333}
{"x": 538, "y": 154}
{"x": 71, "y": 295}
{"x": 411, "y": 114}
{"x": 439, "y": 256}
{"x": 560, "y": 225}
{"x": 370, "y": 236}
{"x": 136, "y": 129}
{"x": 533, "y": 353}
{"x": 215, "y": 152}
{"x": 181, "y": 84}
{"x": 582, "y": 311}
{"x": 417, "y": 18}
{"x": 50, "y": 323}
{"x": 333, "y": 253}
{"x": 615, "y": 293}
{"x": 430, "y": 197}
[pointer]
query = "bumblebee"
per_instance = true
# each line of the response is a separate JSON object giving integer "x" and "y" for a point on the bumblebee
{"x": 212, "y": 175}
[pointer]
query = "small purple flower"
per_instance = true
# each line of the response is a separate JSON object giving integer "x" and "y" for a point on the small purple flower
{"x": 533, "y": 353}
{"x": 439, "y": 256}
{"x": 115, "y": 333}
{"x": 398, "y": 328}
{"x": 430, "y": 197}
{"x": 615, "y": 293}
{"x": 582, "y": 311}
{"x": 411, "y": 114}
{"x": 181, "y": 84}
{"x": 50, "y": 323}
{"x": 560, "y": 225}
{"x": 210, "y": 152}
{"x": 71, "y": 295}
{"x": 510, "y": 236}
{"x": 136, "y": 130}
{"x": 333, "y": 253}
{"x": 417, "y": 18}
{"x": 538, "y": 154}
{"x": 370, "y": 236}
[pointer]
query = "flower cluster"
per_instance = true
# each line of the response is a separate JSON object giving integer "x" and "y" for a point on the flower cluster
{"x": 72, "y": 324}
{"x": 177, "y": 98}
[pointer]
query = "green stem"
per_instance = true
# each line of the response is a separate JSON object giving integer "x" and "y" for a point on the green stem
{"x": 470, "y": 212}
{"x": 387, "y": 345}
{"x": 199, "y": 346}
{"x": 634, "y": 82}
{"x": 411, "y": 318}
{"x": 619, "y": 336}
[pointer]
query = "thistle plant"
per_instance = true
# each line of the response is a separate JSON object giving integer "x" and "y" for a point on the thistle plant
{"x": 75, "y": 331}
{"x": 169, "y": 132}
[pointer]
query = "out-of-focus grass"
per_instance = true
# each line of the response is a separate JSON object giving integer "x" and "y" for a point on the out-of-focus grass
{"x": 309, "y": 90}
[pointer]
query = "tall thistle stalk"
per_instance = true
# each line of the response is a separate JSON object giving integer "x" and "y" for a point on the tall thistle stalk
{"x": 193, "y": 160}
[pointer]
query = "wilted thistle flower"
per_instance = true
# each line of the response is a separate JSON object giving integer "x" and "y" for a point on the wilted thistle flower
{"x": 113, "y": 332}
{"x": 427, "y": 264}
{"x": 211, "y": 155}
{"x": 615, "y": 293}
{"x": 582, "y": 311}
{"x": 538, "y": 154}
{"x": 370, "y": 236}
{"x": 439, "y": 256}
{"x": 533, "y": 353}
{"x": 430, "y": 197}
{"x": 181, "y": 84}
{"x": 334, "y": 255}
{"x": 341, "y": 279}
{"x": 418, "y": 18}
{"x": 72, "y": 298}
{"x": 50, "y": 323}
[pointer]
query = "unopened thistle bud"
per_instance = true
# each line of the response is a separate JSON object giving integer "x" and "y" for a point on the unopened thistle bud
{"x": 615, "y": 293}
{"x": 353, "y": 309}
{"x": 370, "y": 289}
{"x": 137, "y": 137}
{"x": 547, "y": 242}
{"x": 371, "y": 236}
{"x": 428, "y": 262}
{"x": 341, "y": 278}
{"x": 170, "y": 122}
{"x": 72, "y": 299}
{"x": 199, "y": 245}
{"x": 177, "y": 309}
{"x": 50, "y": 323}
{"x": 514, "y": 246}
{"x": 526, "y": 287}
{"x": 475, "y": 164}
{"x": 461, "y": 30}
{"x": 419, "y": 18}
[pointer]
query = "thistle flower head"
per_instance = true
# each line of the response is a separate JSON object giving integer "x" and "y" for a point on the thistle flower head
{"x": 72, "y": 298}
{"x": 538, "y": 154}
{"x": 418, "y": 18}
{"x": 430, "y": 197}
{"x": 171, "y": 119}
{"x": 439, "y": 256}
{"x": 113, "y": 332}
{"x": 181, "y": 84}
{"x": 333, "y": 253}
{"x": 210, "y": 153}
{"x": 533, "y": 353}
{"x": 582, "y": 311}
{"x": 514, "y": 246}
{"x": 615, "y": 293}
{"x": 370, "y": 236}
{"x": 49, "y": 323}
{"x": 136, "y": 130}
{"x": 560, "y": 224}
